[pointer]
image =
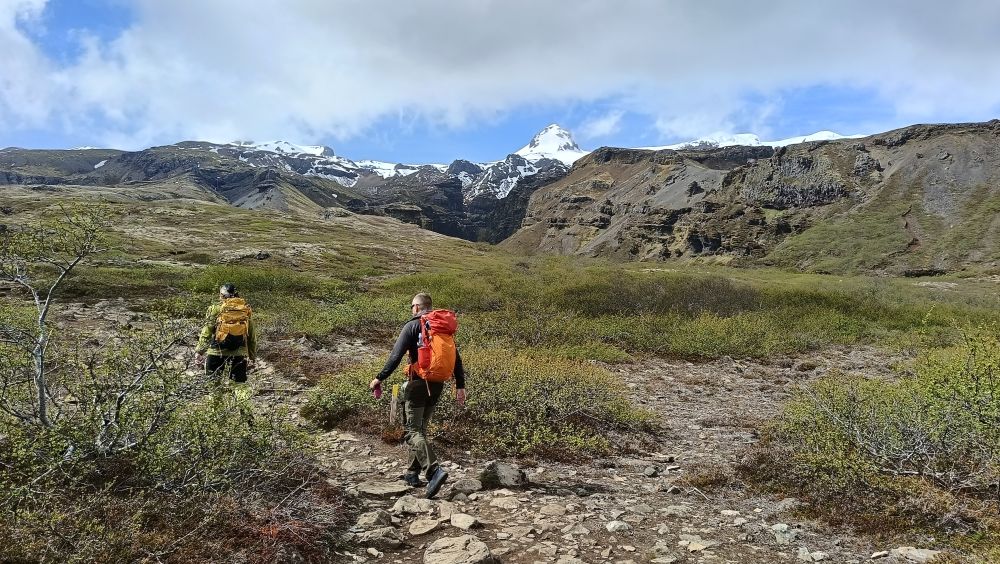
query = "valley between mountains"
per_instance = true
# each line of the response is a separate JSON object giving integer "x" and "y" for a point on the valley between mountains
{"x": 726, "y": 351}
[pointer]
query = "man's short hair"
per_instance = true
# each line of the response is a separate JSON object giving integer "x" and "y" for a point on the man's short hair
{"x": 228, "y": 290}
{"x": 423, "y": 300}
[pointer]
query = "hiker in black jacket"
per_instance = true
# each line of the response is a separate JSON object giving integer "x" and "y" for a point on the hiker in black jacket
{"x": 420, "y": 397}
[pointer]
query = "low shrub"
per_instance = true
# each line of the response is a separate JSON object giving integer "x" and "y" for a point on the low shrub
{"x": 519, "y": 405}
{"x": 924, "y": 448}
{"x": 218, "y": 477}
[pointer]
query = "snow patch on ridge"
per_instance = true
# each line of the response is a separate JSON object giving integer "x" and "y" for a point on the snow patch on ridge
{"x": 286, "y": 148}
{"x": 749, "y": 140}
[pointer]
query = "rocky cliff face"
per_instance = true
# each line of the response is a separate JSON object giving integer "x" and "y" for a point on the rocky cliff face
{"x": 900, "y": 199}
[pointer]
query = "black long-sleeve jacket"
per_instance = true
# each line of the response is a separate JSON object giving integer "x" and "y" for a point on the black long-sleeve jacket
{"x": 407, "y": 343}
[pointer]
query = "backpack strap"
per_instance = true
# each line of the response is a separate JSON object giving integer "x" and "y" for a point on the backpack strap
{"x": 423, "y": 329}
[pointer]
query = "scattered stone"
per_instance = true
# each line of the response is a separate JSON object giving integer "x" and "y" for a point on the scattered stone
{"x": 383, "y": 538}
{"x": 423, "y": 526}
{"x": 919, "y": 555}
{"x": 642, "y": 509}
{"x": 353, "y": 466}
{"x": 880, "y": 554}
{"x": 520, "y": 532}
{"x": 502, "y": 475}
{"x": 665, "y": 560}
{"x": 464, "y": 521}
{"x": 618, "y": 526}
{"x": 503, "y": 536}
{"x": 729, "y": 513}
{"x": 465, "y": 549}
{"x": 806, "y": 556}
{"x": 661, "y": 548}
{"x": 783, "y": 534}
{"x": 651, "y": 472}
{"x": 460, "y": 497}
{"x": 577, "y": 529}
{"x": 628, "y": 548}
{"x": 467, "y": 486}
{"x": 508, "y": 503}
{"x": 373, "y": 519}
{"x": 553, "y": 510}
{"x": 409, "y": 505}
{"x": 695, "y": 543}
{"x": 446, "y": 509}
{"x": 383, "y": 489}
{"x": 546, "y": 549}
{"x": 740, "y": 521}
{"x": 675, "y": 510}
{"x": 787, "y": 504}
{"x": 375, "y": 552}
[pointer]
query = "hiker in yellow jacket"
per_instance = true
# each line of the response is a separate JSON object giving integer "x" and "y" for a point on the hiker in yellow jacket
{"x": 228, "y": 340}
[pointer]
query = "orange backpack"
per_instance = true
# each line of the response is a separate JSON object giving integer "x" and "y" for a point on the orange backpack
{"x": 436, "y": 350}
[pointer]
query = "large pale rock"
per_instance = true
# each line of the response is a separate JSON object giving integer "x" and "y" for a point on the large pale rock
{"x": 373, "y": 519}
{"x": 553, "y": 510}
{"x": 423, "y": 526}
{"x": 618, "y": 527}
{"x": 502, "y": 475}
{"x": 508, "y": 503}
{"x": 464, "y": 521}
{"x": 465, "y": 549}
{"x": 354, "y": 467}
{"x": 783, "y": 534}
{"x": 383, "y": 489}
{"x": 446, "y": 509}
{"x": 694, "y": 543}
{"x": 919, "y": 555}
{"x": 806, "y": 555}
{"x": 383, "y": 538}
{"x": 409, "y": 505}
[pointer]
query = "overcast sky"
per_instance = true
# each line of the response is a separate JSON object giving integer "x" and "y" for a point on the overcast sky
{"x": 428, "y": 80}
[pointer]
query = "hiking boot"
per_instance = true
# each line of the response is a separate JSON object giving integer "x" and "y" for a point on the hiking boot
{"x": 438, "y": 478}
{"x": 412, "y": 479}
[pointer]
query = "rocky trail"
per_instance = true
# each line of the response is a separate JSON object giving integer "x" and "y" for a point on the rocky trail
{"x": 628, "y": 509}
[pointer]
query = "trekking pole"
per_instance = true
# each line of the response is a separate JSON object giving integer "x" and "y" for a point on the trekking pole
{"x": 392, "y": 403}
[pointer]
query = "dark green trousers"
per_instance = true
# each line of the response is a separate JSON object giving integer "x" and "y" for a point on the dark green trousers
{"x": 419, "y": 407}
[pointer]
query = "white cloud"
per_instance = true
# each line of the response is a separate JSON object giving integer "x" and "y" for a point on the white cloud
{"x": 306, "y": 70}
{"x": 602, "y": 126}
{"x": 25, "y": 97}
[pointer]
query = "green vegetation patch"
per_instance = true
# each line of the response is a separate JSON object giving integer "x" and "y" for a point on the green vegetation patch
{"x": 923, "y": 449}
{"x": 521, "y": 405}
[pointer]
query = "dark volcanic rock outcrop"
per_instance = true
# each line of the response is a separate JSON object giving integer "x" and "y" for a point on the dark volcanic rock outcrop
{"x": 914, "y": 199}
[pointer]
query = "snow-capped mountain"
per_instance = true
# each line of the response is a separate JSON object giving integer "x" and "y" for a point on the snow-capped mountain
{"x": 553, "y": 142}
{"x": 498, "y": 179}
{"x": 749, "y": 140}
{"x": 552, "y": 150}
{"x": 287, "y": 148}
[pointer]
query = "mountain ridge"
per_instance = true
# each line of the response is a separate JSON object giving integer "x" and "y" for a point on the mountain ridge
{"x": 799, "y": 205}
{"x": 920, "y": 199}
